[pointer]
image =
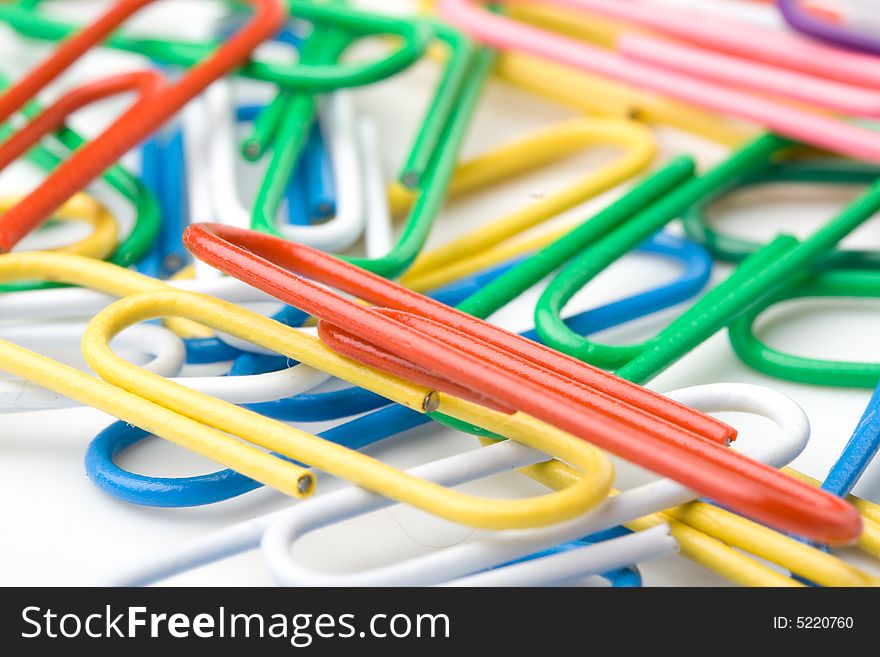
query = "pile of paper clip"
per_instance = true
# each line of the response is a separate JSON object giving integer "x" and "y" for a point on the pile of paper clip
{"x": 324, "y": 295}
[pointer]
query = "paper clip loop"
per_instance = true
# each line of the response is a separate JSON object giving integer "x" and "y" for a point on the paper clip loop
{"x": 156, "y": 104}
{"x": 416, "y": 337}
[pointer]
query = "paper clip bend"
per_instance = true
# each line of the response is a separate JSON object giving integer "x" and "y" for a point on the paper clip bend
{"x": 413, "y": 38}
{"x": 468, "y": 558}
{"x": 324, "y": 455}
{"x": 825, "y": 171}
{"x": 834, "y": 283}
{"x": 513, "y": 373}
{"x": 846, "y": 36}
{"x": 357, "y": 433}
{"x": 157, "y": 103}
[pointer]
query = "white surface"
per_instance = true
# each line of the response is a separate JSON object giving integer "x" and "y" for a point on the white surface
{"x": 59, "y": 529}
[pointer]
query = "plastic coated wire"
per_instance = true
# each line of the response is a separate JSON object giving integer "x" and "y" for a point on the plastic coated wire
{"x": 834, "y": 283}
{"x": 306, "y": 407}
{"x": 411, "y": 331}
{"x": 156, "y": 104}
{"x": 816, "y": 129}
{"x": 100, "y": 242}
{"x": 324, "y": 455}
{"x": 414, "y": 36}
{"x": 133, "y": 246}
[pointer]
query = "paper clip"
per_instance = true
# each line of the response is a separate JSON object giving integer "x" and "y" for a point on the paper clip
{"x": 822, "y": 171}
{"x": 324, "y": 455}
{"x": 839, "y": 273}
{"x": 846, "y": 35}
{"x": 291, "y": 479}
{"x": 411, "y": 44}
{"x": 699, "y": 87}
{"x": 438, "y": 266}
{"x": 280, "y": 528}
{"x": 755, "y": 278}
{"x": 156, "y": 103}
{"x": 493, "y": 366}
{"x": 860, "y": 450}
{"x": 834, "y": 283}
{"x": 356, "y": 434}
{"x": 132, "y": 246}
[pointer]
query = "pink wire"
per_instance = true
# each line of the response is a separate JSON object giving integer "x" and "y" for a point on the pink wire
{"x": 821, "y": 131}
{"x": 845, "y": 98}
{"x": 747, "y": 40}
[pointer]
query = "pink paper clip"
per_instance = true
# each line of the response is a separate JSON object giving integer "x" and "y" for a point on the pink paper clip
{"x": 744, "y": 57}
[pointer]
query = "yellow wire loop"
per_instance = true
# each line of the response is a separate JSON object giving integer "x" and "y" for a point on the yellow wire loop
{"x": 432, "y": 269}
{"x": 211, "y": 413}
{"x": 100, "y": 243}
{"x": 89, "y": 273}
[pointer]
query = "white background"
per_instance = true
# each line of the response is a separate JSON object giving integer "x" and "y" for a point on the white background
{"x": 59, "y": 529}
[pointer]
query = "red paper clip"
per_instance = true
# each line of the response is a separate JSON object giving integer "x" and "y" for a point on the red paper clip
{"x": 156, "y": 103}
{"x": 422, "y": 336}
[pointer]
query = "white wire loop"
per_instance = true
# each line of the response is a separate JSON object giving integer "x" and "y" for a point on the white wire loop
{"x": 276, "y": 532}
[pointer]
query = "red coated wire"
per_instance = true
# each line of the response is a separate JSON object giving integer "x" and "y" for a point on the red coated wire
{"x": 143, "y": 83}
{"x": 495, "y": 364}
{"x": 573, "y": 373}
{"x": 142, "y": 118}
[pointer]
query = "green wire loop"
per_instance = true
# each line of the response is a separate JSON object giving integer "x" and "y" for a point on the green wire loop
{"x": 758, "y": 276}
{"x": 413, "y": 36}
{"x": 431, "y": 159}
{"x": 636, "y": 229}
{"x": 842, "y": 283}
{"x": 818, "y": 171}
